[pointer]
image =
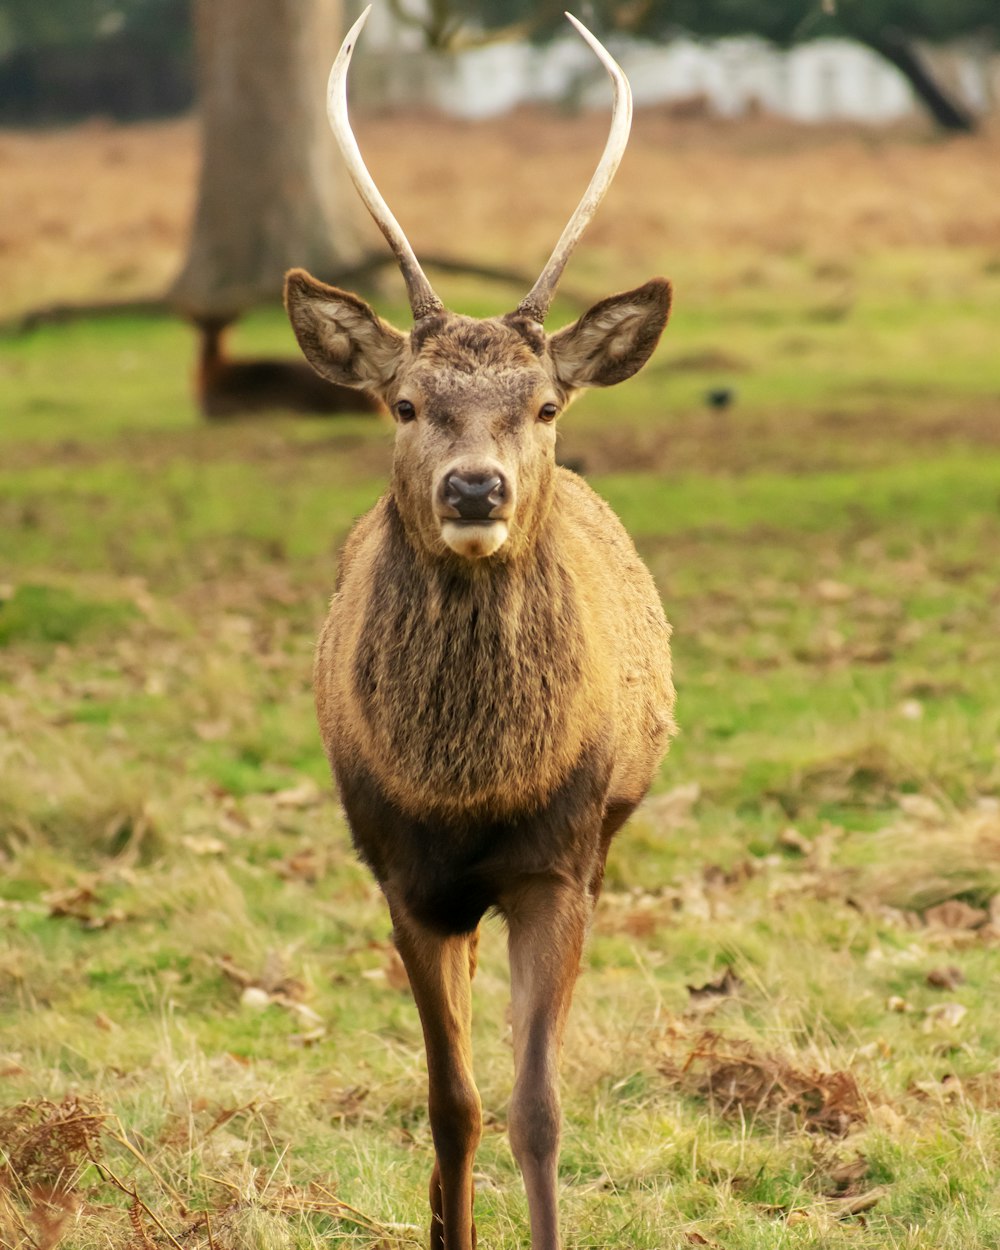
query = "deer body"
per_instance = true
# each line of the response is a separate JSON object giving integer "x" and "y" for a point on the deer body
{"x": 481, "y": 721}
{"x": 493, "y": 680}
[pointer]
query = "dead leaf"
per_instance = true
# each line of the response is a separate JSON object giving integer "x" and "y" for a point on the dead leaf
{"x": 954, "y": 914}
{"x": 76, "y": 901}
{"x": 840, "y": 1208}
{"x": 79, "y": 902}
{"x": 725, "y": 985}
{"x": 946, "y": 978}
{"x": 845, "y": 1173}
{"x": 944, "y": 1016}
{"x": 272, "y": 987}
{"x": 305, "y": 865}
{"x": 235, "y": 973}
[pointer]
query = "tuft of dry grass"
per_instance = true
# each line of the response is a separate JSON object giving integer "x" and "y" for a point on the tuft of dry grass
{"x": 735, "y": 1079}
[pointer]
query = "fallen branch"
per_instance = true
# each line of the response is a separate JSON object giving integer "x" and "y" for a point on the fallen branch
{"x": 158, "y": 305}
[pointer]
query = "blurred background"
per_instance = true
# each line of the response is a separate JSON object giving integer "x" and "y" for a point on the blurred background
{"x": 787, "y": 1030}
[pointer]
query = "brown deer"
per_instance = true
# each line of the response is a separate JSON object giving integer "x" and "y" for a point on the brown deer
{"x": 240, "y": 388}
{"x": 493, "y": 679}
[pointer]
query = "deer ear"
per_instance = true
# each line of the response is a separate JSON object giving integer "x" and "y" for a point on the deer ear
{"x": 340, "y": 335}
{"x": 614, "y": 339}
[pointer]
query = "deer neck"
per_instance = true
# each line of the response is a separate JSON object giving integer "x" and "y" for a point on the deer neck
{"x": 471, "y": 681}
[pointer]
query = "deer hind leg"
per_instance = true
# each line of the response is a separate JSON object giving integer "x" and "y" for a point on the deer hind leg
{"x": 439, "y": 968}
{"x": 547, "y": 925}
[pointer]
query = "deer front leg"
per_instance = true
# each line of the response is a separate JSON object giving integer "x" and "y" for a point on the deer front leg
{"x": 440, "y": 971}
{"x": 547, "y": 925}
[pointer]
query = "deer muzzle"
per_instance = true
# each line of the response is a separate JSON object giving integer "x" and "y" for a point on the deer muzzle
{"x": 474, "y": 504}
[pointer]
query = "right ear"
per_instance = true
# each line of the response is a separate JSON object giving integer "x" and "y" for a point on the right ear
{"x": 341, "y": 337}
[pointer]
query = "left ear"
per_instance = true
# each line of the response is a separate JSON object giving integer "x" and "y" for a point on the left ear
{"x": 614, "y": 339}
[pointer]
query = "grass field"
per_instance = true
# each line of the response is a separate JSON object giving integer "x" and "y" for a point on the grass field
{"x": 787, "y": 1031}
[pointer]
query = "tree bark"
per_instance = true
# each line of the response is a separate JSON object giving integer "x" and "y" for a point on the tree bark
{"x": 899, "y": 51}
{"x": 271, "y": 191}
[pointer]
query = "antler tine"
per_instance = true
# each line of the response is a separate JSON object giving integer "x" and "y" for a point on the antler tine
{"x": 536, "y": 303}
{"x": 423, "y": 301}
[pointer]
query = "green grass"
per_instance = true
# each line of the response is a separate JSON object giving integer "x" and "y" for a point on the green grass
{"x": 829, "y": 553}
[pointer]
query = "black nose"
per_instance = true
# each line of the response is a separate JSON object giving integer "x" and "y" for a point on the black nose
{"x": 474, "y": 495}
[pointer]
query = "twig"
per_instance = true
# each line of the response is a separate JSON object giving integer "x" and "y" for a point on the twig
{"x": 159, "y": 305}
{"x": 123, "y": 1141}
{"x": 118, "y": 1183}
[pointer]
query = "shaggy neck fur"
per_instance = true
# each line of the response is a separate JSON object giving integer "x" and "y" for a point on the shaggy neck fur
{"x": 469, "y": 677}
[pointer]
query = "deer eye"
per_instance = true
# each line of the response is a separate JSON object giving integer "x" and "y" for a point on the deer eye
{"x": 405, "y": 410}
{"x": 548, "y": 412}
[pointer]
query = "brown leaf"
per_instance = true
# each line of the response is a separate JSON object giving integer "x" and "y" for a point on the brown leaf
{"x": 946, "y": 978}
{"x": 75, "y": 901}
{"x": 854, "y": 1205}
{"x": 954, "y": 914}
{"x": 235, "y": 973}
{"x": 79, "y": 902}
{"x": 725, "y": 985}
{"x": 845, "y": 1173}
{"x": 305, "y": 865}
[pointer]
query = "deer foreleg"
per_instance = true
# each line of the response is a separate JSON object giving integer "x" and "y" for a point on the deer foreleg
{"x": 547, "y": 926}
{"x": 440, "y": 969}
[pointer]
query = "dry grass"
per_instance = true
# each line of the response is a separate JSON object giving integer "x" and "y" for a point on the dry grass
{"x": 102, "y": 212}
{"x": 798, "y": 937}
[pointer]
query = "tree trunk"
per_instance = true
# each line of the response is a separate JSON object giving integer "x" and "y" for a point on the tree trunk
{"x": 272, "y": 192}
{"x": 899, "y": 51}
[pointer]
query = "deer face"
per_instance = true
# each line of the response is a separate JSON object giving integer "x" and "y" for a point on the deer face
{"x": 475, "y": 402}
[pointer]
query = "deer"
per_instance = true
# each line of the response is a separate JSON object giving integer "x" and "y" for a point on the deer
{"x": 493, "y": 681}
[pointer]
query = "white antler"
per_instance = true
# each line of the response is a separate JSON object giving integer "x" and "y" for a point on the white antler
{"x": 536, "y": 303}
{"x": 423, "y": 301}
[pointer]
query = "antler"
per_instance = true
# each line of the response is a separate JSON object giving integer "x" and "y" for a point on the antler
{"x": 536, "y": 303}
{"x": 423, "y": 301}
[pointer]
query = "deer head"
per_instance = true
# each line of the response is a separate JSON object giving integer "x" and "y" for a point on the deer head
{"x": 475, "y": 401}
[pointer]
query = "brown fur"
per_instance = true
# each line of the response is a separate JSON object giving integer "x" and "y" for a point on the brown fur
{"x": 236, "y": 388}
{"x": 491, "y": 721}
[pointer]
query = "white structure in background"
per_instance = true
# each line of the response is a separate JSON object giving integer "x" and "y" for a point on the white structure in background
{"x": 819, "y": 81}
{"x": 823, "y": 80}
